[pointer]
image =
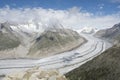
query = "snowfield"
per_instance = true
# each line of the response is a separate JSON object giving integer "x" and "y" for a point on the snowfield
{"x": 63, "y": 62}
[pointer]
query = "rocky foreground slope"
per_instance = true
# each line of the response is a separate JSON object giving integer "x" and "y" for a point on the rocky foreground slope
{"x": 36, "y": 74}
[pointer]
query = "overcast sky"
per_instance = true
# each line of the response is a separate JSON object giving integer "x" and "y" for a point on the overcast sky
{"x": 70, "y": 13}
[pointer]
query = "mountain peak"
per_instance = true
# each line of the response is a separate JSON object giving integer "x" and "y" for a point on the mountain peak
{"x": 117, "y": 25}
{"x": 88, "y": 30}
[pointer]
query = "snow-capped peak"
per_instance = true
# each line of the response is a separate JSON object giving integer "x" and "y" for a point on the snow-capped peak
{"x": 87, "y": 30}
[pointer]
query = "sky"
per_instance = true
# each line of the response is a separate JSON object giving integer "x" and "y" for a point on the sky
{"x": 72, "y": 13}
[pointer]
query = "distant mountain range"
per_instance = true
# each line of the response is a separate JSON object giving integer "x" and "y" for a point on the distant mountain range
{"x": 105, "y": 66}
{"x": 32, "y": 40}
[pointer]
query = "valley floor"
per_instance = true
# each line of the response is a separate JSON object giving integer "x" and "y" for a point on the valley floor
{"x": 63, "y": 62}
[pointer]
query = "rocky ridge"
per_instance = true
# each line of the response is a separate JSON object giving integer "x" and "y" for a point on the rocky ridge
{"x": 36, "y": 74}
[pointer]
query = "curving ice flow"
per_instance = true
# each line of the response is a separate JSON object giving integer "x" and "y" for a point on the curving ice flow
{"x": 63, "y": 62}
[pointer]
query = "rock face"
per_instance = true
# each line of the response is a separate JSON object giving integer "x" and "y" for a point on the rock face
{"x": 26, "y": 40}
{"x": 111, "y": 33}
{"x": 36, "y": 74}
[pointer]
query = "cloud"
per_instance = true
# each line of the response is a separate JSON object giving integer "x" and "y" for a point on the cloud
{"x": 115, "y": 1}
{"x": 101, "y": 6}
{"x": 118, "y": 6}
{"x": 73, "y": 17}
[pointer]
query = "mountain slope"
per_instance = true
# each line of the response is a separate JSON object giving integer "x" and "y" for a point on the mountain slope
{"x": 55, "y": 41}
{"x": 7, "y": 39}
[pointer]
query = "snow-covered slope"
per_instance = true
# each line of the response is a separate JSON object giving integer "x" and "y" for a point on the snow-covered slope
{"x": 25, "y": 32}
{"x": 30, "y": 27}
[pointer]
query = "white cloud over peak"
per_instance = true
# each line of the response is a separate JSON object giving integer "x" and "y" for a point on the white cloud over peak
{"x": 73, "y": 17}
{"x": 118, "y": 6}
{"x": 114, "y": 1}
{"x": 101, "y": 6}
